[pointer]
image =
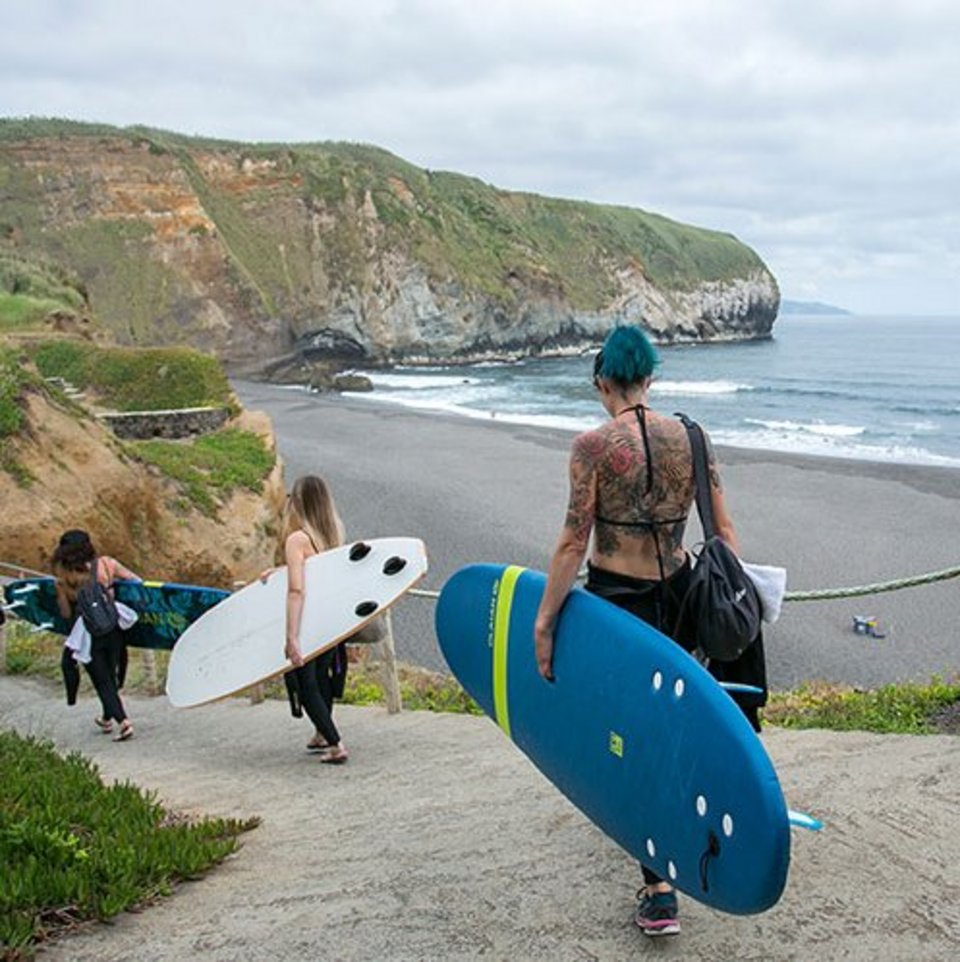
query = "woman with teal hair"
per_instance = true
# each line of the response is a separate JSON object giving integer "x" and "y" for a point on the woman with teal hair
{"x": 631, "y": 488}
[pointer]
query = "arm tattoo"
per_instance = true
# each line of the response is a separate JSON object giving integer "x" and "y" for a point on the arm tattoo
{"x": 580, "y": 509}
{"x": 713, "y": 469}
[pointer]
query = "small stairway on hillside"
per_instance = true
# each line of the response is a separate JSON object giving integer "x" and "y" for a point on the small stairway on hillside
{"x": 72, "y": 392}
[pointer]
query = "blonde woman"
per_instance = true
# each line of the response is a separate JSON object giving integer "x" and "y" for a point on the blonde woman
{"x": 312, "y": 525}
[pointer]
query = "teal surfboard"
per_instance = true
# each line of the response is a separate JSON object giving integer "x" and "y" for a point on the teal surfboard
{"x": 634, "y": 731}
{"x": 166, "y": 609}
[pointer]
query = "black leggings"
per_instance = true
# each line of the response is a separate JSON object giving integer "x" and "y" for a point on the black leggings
{"x": 105, "y": 655}
{"x": 316, "y": 683}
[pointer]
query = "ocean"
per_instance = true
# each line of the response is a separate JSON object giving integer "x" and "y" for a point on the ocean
{"x": 874, "y": 388}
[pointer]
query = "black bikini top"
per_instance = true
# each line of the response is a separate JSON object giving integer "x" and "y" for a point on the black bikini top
{"x": 649, "y": 523}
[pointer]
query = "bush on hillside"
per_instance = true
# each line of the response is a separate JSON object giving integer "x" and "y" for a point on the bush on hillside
{"x": 137, "y": 379}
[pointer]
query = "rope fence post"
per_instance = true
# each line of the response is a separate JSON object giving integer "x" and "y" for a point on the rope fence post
{"x": 148, "y": 661}
{"x": 388, "y": 668}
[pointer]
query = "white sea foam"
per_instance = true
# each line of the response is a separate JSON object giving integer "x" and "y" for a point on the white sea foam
{"x": 418, "y": 382}
{"x": 826, "y": 445}
{"x": 441, "y": 406}
{"x": 697, "y": 387}
{"x": 812, "y": 427}
{"x": 788, "y": 437}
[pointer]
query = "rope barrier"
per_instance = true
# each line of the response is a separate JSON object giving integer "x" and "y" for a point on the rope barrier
{"x": 823, "y": 594}
{"x": 424, "y": 593}
{"x": 879, "y": 587}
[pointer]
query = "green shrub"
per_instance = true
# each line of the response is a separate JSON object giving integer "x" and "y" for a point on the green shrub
{"x": 210, "y": 468}
{"x": 21, "y": 312}
{"x": 905, "y": 708}
{"x": 137, "y": 379}
{"x": 73, "y": 848}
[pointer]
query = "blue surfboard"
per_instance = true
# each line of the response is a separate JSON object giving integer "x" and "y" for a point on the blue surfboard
{"x": 166, "y": 609}
{"x": 634, "y": 731}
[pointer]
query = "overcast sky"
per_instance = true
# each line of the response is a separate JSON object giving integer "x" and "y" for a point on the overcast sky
{"x": 823, "y": 133}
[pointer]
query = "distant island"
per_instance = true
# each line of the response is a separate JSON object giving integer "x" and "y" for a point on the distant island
{"x": 810, "y": 307}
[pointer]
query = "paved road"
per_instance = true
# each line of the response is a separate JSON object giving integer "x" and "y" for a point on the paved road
{"x": 486, "y": 491}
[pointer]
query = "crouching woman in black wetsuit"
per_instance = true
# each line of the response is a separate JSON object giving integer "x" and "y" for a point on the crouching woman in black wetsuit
{"x": 631, "y": 485}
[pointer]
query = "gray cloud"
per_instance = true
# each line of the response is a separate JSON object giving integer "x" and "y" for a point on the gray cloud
{"x": 824, "y": 134}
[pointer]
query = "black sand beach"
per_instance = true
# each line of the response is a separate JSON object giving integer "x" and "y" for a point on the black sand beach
{"x": 487, "y": 491}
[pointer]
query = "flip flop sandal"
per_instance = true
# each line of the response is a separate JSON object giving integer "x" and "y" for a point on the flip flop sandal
{"x": 334, "y": 759}
{"x": 125, "y": 732}
{"x": 317, "y": 746}
{"x": 104, "y": 724}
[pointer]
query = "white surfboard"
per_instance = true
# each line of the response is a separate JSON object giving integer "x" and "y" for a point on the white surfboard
{"x": 240, "y": 642}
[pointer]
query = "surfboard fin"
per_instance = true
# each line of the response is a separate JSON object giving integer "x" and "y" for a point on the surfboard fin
{"x": 365, "y": 608}
{"x": 394, "y": 565}
{"x": 740, "y": 687}
{"x": 803, "y": 820}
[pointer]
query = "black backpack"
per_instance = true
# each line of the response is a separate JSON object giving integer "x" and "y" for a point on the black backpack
{"x": 96, "y": 607}
{"x": 720, "y": 613}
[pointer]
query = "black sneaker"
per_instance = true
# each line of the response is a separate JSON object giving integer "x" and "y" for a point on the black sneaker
{"x": 657, "y": 914}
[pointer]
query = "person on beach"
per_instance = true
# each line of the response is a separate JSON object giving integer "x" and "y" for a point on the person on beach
{"x": 631, "y": 487}
{"x": 74, "y": 563}
{"x": 312, "y": 525}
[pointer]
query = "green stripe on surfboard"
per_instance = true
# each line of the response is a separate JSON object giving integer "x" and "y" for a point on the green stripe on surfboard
{"x": 501, "y": 644}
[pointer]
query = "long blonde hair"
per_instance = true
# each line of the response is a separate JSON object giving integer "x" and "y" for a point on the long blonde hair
{"x": 310, "y": 508}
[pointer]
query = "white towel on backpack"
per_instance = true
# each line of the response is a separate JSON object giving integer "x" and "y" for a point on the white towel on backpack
{"x": 771, "y": 584}
{"x": 80, "y": 642}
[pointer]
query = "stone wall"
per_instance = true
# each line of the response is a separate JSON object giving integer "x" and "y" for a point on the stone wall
{"x": 181, "y": 423}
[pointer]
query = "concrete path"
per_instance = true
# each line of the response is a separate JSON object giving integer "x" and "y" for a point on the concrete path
{"x": 438, "y": 840}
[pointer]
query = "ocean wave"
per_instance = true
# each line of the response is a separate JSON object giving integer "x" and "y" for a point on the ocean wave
{"x": 812, "y": 427}
{"x": 932, "y": 410}
{"x": 792, "y": 442}
{"x": 418, "y": 382}
{"x": 787, "y": 437}
{"x": 570, "y": 423}
{"x": 698, "y": 387}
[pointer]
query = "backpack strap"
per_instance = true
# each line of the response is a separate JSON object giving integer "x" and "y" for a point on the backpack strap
{"x": 701, "y": 475}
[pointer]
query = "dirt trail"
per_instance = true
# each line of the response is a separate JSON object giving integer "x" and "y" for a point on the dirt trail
{"x": 438, "y": 840}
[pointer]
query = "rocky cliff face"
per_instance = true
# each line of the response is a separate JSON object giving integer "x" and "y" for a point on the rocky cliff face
{"x": 272, "y": 257}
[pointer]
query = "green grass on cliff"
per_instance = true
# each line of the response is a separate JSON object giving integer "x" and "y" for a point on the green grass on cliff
{"x": 211, "y": 467}
{"x": 32, "y": 288}
{"x": 15, "y": 379}
{"x": 136, "y": 379}
{"x": 315, "y": 228}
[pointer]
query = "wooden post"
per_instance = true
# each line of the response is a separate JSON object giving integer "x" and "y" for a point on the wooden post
{"x": 388, "y": 668}
{"x": 148, "y": 659}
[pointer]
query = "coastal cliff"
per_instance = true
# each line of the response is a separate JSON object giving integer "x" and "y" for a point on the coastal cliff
{"x": 276, "y": 257}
